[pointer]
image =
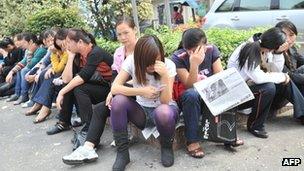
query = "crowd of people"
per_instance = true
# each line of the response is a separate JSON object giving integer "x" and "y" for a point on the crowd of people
{"x": 138, "y": 84}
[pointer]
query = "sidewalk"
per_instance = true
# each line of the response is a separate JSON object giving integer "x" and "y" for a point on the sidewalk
{"x": 25, "y": 146}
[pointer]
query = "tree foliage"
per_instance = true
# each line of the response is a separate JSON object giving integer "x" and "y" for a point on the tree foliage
{"x": 14, "y": 13}
{"x": 106, "y": 12}
{"x": 54, "y": 17}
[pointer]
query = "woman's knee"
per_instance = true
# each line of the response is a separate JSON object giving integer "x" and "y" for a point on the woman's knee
{"x": 80, "y": 90}
{"x": 164, "y": 113}
{"x": 190, "y": 95}
{"x": 269, "y": 89}
{"x": 24, "y": 71}
{"x": 119, "y": 101}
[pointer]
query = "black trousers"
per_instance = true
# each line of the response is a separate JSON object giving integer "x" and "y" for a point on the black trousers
{"x": 100, "y": 114}
{"x": 264, "y": 95}
{"x": 67, "y": 107}
{"x": 291, "y": 93}
{"x": 86, "y": 95}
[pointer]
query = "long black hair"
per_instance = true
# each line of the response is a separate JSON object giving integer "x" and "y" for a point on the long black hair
{"x": 271, "y": 39}
{"x": 191, "y": 38}
{"x": 30, "y": 37}
{"x": 147, "y": 49}
{"x": 80, "y": 34}
{"x": 286, "y": 24}
{"x": 6, "y": 42}
{"x": 60, "y": 35}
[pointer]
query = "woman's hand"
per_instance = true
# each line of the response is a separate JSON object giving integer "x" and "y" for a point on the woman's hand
{"x": 198, "y": 56}
{"x": 287, "y": 79}
{"x": 284, "y": 47}
{"x": 71, "y": 55}
{"x": 37, "y": 78}
{"x": 48, "y": 73}
{"x": 150, "y": 92}
{"x": 30, "y": 78}
{"x": 160, "y": 68}
{"x": 9, "y": 77}
{"x": 109, "y": 100}
{"x": 59, "y": 100}
{"x": 3, "y": 52}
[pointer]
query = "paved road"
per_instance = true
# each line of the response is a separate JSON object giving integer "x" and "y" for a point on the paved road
{"x": 25, "y": 146}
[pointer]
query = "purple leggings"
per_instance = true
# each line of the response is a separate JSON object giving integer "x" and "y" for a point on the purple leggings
{"x": 126, "y": 109}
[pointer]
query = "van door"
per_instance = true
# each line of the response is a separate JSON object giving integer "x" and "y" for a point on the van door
{"x": 251, "y": 13}
{"x": 292, "y": 10}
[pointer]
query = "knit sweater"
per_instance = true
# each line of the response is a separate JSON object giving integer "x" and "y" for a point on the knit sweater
{"x": 30, "y": 59}
{"x": 59, "y": 61}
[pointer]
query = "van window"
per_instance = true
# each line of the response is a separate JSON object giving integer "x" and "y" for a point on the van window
{"x": 226, "y": 6}
{"x": 291, "y": 4}
{"x": 257, "y": 5}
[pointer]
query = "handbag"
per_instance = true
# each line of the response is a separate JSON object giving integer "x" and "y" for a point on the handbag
{"x": 220, "y": 128}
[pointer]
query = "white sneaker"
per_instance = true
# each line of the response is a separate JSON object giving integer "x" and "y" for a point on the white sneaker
{"x": 27, "y": 104}
{"x": 81, "y": 155}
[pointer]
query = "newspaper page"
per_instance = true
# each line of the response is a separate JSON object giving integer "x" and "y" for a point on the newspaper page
{"x": 224, "y": 91}
{"x": 148, "y": 131}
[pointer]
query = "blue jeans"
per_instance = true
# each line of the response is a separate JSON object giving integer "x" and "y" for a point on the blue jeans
{"x": 46, "y": 93}
{"x": 291, "y": 93}
{"x": 37, "y": 85}
{"x": 191, "y": 105}
{"x": 22, "y": 86}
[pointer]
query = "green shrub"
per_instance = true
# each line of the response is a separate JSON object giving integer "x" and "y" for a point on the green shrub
{"x": 107, "y": 45}
{"x": 54, "y": 17}
{"x": 224, "y": 38}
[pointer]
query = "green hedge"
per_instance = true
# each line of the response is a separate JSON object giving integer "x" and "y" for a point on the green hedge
{"x": 54, "y": 17}
{"x": 225, "y": 39}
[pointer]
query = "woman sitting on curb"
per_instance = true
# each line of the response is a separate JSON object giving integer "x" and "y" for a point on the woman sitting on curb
{"x": 248, "y": 59}
{"x": 194, "y": 61}
{"x": 153, "y": 78}
{"x": 44, "y": 97}
{"x": 126, "y": 34}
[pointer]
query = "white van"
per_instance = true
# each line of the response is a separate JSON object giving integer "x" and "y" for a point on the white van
{"x": 251, "y": 13}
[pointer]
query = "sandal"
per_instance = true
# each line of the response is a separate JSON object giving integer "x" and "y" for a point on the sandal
{"x": 35, "y": 121}
{"x": 33, "y": 110}
{"x": 196, "y": 153}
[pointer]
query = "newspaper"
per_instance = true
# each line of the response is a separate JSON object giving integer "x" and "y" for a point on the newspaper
{"x": 148, "y": 131}
{"x": 223, "y": 91}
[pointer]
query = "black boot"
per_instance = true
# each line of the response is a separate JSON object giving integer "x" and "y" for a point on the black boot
{"x": 167, "y": 156}
{"x": 123, "y": 156}
{"x": 5, "y": 87}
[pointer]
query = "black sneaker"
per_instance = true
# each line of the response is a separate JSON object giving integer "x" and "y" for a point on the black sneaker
{"x": 14, "y": 97}
{"x": 57, "y": 128}
{"x": 258, "y": 133}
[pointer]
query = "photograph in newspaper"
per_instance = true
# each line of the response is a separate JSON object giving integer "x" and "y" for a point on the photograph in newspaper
{"x": 215, "y": 90}
{"x": 224, "y": 91}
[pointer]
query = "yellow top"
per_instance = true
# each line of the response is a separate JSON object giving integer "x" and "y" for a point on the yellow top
{"x": 59, "y": 61}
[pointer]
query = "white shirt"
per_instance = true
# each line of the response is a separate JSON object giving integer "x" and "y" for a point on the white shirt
{"x": 256, "y": 74}
{"x": 129, "y": 67}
